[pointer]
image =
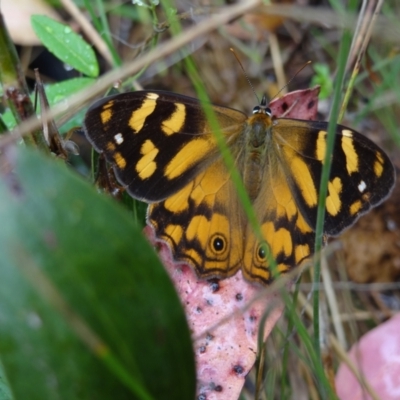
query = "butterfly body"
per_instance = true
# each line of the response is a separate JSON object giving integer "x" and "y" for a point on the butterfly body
{"x": 257, "y": 132}
{"x": 166, "y": 153}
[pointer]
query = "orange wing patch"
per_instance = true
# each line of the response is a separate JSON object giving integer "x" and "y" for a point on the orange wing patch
{"x": 201, "y": 228}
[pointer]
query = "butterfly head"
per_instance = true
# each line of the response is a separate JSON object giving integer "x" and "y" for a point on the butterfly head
{"x": 260, "y": 124}
{"x": 262, "y": 108}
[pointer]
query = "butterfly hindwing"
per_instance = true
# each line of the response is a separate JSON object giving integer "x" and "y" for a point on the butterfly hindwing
{"x": 157, "y": 141}
{"x": 288, "y": 238}
{"x": 203, "y": 223}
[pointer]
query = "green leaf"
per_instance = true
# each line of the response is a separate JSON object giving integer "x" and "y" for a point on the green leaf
{"x": 65, "y": 44}
{"x": 86, "y": 309}
{"x": 60, "y": 91}
{"x": 322, "y": 78}
{"x": 56, "y": 93}
{"x": 9, "y": 119}
{"x": 5, "y": 392}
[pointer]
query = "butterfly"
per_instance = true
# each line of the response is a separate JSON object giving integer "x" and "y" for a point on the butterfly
{"x": 165, "y": 152}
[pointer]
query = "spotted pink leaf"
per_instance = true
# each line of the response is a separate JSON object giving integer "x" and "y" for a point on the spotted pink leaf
{"x": 225, "y": 336}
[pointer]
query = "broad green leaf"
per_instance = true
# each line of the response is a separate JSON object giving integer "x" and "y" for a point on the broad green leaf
{"x": 65, "y": 44}
{"x": 57, "y": 92}
{"x": 5, "y": 393}
{"x": 86, "y": 309}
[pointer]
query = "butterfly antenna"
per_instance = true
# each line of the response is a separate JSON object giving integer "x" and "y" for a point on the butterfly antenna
{"x": 291, "y": 79}
{"x": 244, "y": 72}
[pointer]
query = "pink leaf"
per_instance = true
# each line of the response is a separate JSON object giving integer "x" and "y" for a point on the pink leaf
{"x": 300, "y": 104}
{"x": 225, "y": 336}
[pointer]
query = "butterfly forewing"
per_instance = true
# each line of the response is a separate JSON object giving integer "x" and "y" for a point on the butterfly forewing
{"x": 157, "y": 141}
{"x": 361, "y": 174}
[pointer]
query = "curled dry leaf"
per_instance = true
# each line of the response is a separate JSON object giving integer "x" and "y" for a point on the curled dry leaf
{"x": 300, "y": 104}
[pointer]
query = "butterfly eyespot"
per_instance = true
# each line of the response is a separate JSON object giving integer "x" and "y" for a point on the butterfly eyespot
{"x": 218, "y": 243}
{"x": 262, "y": 255}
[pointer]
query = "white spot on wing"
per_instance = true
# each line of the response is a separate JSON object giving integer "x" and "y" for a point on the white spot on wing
{"x": 347, "y": 133}
{"x": 119, "y": 139}
{"x": 152, "y": 96}
{"x": 362, "y": 186}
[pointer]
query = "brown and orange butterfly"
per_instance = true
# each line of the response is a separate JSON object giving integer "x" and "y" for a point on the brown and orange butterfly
{"x": 165, "y": 152}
